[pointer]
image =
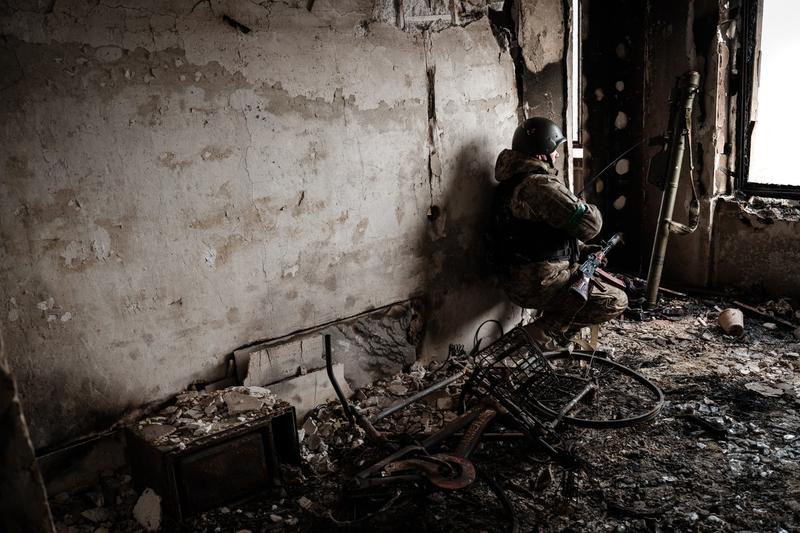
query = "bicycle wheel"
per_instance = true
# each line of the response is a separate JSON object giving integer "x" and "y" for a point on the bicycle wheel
{"x": 622, "y": 397}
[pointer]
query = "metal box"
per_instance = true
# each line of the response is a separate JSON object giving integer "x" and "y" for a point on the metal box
{"x": 217, "y": 469}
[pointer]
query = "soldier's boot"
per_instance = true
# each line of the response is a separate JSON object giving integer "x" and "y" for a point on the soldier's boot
{"x": 547, "y": 339}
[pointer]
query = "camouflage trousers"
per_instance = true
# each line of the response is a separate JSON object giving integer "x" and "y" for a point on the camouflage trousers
{"x": 544, "y": 286}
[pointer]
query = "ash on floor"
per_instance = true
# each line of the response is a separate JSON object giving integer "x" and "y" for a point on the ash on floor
{"x": 724, "y": 455}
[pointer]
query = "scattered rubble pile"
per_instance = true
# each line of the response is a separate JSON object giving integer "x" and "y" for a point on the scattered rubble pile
{"x": 326, "y": 434}
{"x": 103, "y": 508}
{"x": 199, "y": 413}
{"x": 724, "y": 455}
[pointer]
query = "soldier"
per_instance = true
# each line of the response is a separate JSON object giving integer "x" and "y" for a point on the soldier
{"x": 539, "y": 228}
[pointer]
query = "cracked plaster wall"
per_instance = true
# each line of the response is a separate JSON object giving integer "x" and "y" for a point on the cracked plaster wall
{"x": 756, "y": 251}
{"x": 678, "y": 39}
{"x": 174, "y": 188}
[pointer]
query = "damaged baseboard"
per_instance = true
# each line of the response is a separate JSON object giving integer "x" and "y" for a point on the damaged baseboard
{"x": 370, "y": 345}
{"x": 307, "y": 391}
{"x": 367, "y": 346}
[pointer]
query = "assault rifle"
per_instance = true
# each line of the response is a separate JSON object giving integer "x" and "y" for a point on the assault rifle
{"x": 583, "y": 277}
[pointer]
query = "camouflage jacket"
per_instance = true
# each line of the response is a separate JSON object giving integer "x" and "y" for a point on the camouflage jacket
{"x": 541, "y": 197}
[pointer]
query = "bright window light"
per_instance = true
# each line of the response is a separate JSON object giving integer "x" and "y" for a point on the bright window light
{"x": 774, "y": 142}
{"x": 576, "y": 71}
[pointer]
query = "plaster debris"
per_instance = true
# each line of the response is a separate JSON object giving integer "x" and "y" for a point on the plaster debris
{"x": 154, "y": 432}
{"x": 764, "y": 389}
{"x": 241, "y": 403}
{"x": 147, "y": 510}
{"x": 768, "y": 210}
{"x": 99, "y": 514}
{"x": 720, "y": 448}
{"x": 200, "y": 413}
{"x": 46, "y": 304}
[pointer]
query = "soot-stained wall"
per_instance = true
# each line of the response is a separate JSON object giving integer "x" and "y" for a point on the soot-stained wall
{"x": 613, "y": 67}
{"x": 175, "y": 188}
{"x": 746, "y": 245}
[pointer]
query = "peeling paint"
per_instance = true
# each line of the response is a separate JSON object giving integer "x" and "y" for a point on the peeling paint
{"x": 169, "y": 176}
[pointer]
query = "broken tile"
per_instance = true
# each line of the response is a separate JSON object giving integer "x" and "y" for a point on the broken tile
{"x": 194, "y": 413}
{"x": 398, "y": 389}
{"x": 154, "y": 432}
{"x": 445, "y": 403}
{"x": 269, "y": 363}
{"x": 241, "y": 403}
{"x": 764, "y": 389}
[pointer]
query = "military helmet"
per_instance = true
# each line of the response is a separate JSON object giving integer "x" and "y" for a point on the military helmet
{"x": 537, "y": 136}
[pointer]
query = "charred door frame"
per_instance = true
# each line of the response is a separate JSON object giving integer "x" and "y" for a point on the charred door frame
{"x": 749, "y": 69}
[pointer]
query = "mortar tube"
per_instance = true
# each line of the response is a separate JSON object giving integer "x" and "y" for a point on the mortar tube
{"x": 690, "y": 84}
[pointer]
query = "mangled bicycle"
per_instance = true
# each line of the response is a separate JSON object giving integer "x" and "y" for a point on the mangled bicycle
{"x": 514, "y": 385}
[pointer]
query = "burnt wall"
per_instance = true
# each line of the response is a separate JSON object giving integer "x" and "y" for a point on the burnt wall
{"x": 177, "y": 185}
{"x": 672, "y": 38}
{"x": 756, "y": 248}
{"x": 614, "y": 121}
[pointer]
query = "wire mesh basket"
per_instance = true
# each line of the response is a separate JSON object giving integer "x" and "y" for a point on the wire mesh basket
{"x": 514, "y": 371}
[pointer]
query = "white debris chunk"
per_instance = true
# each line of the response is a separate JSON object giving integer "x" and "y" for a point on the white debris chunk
{"x": 147, "y": 510}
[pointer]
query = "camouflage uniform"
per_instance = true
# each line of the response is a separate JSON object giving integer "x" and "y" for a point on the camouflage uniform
{"x": 542, "y": 285}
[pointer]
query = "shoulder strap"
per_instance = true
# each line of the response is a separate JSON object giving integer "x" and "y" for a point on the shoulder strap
{"x": 694, "y": 207}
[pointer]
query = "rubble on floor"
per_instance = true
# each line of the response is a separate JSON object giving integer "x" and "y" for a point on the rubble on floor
{"x": 723, "y": 455}
{"x": 326, "y": 433}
